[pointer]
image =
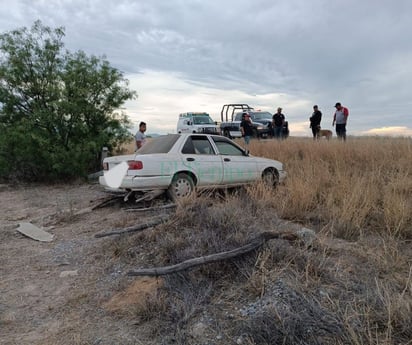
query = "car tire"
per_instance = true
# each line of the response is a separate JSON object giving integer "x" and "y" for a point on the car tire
{"x": 270, "y": 177}
{"x": 181, "y": 187}
{"x": 226, "y": 133}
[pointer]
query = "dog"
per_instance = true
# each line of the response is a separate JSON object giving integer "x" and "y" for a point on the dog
{"x": 324, "y": 133}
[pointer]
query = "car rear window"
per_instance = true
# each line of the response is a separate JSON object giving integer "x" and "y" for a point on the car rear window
{"x": 238, "y": 117}
{"x": 256, "y": 115}
{"x": 162, "y": 144}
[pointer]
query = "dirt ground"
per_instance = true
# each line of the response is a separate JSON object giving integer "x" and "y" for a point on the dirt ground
{"x": 64, "y": 291}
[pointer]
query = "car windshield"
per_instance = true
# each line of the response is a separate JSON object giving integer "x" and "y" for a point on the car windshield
{"x": 264, "y": 115}
{"x": 203, "y": 120}
{"x": 162, "y": 144}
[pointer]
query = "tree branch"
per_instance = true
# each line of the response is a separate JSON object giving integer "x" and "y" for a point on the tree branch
{"x": 135, "y": 228}
{"x": 253, "y": 245}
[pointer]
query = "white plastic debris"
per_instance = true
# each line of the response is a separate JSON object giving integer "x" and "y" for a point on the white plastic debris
{"x": 114, "y": 177}
{"x": 65, "y": 274}
{"x": 34, "y": 232}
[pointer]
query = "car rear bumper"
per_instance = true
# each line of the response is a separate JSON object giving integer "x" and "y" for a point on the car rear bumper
{"x": 141, "y": 183}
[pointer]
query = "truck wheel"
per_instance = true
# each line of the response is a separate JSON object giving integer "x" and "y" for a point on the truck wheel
{"x": 226, "y": 133}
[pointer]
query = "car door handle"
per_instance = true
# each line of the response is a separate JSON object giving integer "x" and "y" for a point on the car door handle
{"x": 226, "y": 159}
{"x": 190, "y": 159}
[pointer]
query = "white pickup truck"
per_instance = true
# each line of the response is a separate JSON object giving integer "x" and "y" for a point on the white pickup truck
{"x": 197, "y": 122}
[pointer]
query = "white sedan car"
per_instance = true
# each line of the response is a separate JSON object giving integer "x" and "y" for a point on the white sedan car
{"x": 181, "y": 163}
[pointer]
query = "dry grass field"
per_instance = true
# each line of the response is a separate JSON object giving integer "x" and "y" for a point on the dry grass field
{"x": 352, "y": 285}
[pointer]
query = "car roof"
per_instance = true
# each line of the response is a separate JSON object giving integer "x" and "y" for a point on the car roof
{"x": 197, "y": 134}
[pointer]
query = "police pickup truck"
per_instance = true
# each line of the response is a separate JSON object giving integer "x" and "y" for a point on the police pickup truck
{"x": 231, "y": 116}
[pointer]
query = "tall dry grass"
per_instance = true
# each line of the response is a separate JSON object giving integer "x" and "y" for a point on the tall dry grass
{"x": 362, "y": 185}
{"x": 361, "y": 191}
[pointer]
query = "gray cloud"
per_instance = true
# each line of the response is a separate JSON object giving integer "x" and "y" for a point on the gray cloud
{"x": 320, "y": 51}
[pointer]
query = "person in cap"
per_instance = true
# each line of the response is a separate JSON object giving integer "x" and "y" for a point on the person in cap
{"x": 246, "y": 128}
{"x": 278, "y": 121}
{"x": 340, "y": 118}
{"x": 315, "y": 120}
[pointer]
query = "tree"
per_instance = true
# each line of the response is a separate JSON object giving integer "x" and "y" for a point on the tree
{"x": 57, "y": 109}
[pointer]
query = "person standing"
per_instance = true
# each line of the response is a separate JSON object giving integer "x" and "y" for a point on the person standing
{"x": 278, "y": 121}
{"x": 140, "y": 137}
{"x": 315, "y": 120}
{"x": 340, "y": 118}
{"x": 246, "y": 128}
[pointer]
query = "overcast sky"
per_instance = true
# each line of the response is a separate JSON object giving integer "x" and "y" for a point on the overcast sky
{"x": 196, "y": 55}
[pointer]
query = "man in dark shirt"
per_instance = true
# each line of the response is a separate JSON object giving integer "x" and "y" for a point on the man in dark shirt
{"x": 278, "y": 120}
{"x": 315, "y": 120}
{"x": 246, "y": 128}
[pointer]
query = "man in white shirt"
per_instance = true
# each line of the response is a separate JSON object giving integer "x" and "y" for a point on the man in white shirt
{"x": 340, "y": 118}
{"x": 140, "y": 137}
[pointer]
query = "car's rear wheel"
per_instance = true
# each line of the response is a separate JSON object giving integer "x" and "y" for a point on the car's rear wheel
{"x": 270, "y": 178}
{"x": 181, "y": 187}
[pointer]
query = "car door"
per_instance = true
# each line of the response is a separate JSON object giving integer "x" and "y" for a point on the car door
{"x": 200, "y": 157}
{"x": 238, "y": 167}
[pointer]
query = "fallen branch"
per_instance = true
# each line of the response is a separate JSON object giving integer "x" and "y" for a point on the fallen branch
{"x": 107, "y": 202}
{"x": 154, "y": 208}
{"x": 83, "y": 211}
{"x": 253, "y": 245}
{"x": 134, "y": 228}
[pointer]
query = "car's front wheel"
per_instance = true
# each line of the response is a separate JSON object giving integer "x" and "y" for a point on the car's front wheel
{"x": 182, "y": 186}
{"x": 270, "y": 178}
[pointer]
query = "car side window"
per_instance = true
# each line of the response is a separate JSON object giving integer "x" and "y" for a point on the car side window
{"x": 188, "y": 147}
{"x": 202, "y": 146}
{"x": 227, "y": 148}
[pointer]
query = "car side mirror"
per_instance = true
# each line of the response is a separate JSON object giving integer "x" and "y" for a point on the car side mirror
{"x": 189, "y": 123}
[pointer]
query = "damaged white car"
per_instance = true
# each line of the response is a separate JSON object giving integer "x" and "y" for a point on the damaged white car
{"x": 182, "y": 163}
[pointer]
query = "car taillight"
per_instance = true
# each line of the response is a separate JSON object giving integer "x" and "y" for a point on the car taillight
{"x": 135, "y": 165}
{"x": 105, "y": 166}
